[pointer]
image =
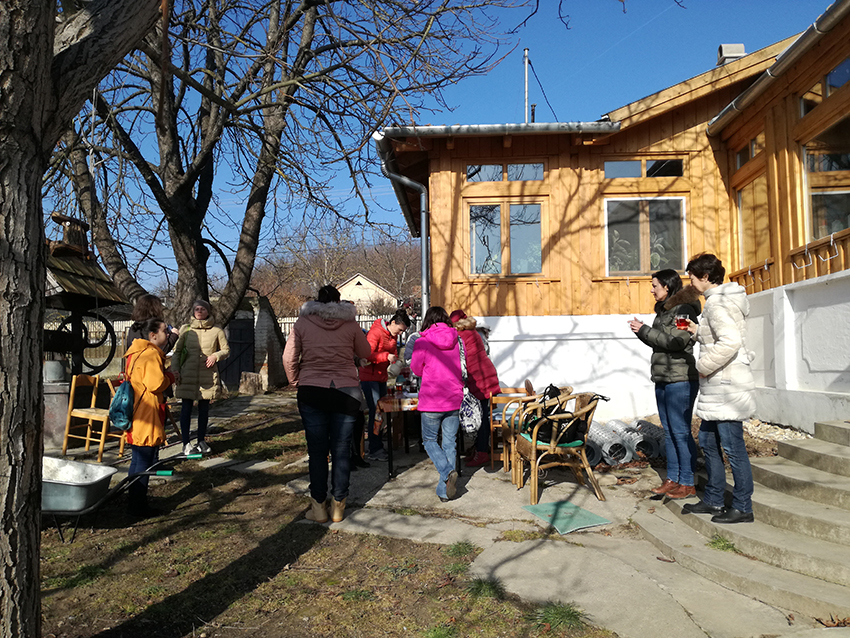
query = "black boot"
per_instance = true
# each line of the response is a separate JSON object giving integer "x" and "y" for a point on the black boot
{"x": 137, "y": 501}
{"x": 732, "y": 515}
{"x": 702, "y": 508}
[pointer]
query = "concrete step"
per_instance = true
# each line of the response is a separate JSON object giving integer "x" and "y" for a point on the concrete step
{"x": 802, "y": 481}
{"x": 773, "y": 585}
{"x": 779, "y": 547}
{"x": 833, "y": 432}
{"x": 822, "y": 455}
{"x": 816, "y": 520}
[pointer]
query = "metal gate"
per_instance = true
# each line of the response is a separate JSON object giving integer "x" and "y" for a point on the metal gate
{"x": 241, "y": 359}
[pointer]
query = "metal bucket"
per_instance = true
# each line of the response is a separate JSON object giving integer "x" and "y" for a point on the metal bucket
{"x": 71, "y": 486}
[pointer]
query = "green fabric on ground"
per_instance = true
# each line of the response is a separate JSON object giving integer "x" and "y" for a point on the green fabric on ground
{"x": 565, "y": 517}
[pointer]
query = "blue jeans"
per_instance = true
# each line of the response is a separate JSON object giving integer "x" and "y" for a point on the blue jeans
{"x": 675, "y": 408}
{"x": 186, "y": 419}
{"x": 327, "y": 433}
{"x": 730, "y": 436}
{"x": 443, "y": 457}
{"x": 143, "y": 456}
{"x": 373, "y": 391}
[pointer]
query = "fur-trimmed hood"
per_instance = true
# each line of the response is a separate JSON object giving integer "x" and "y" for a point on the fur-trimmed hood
{"x": 687, "y": 295}
{"x": 467, "y": 323}
{"x": 329, "y": 316}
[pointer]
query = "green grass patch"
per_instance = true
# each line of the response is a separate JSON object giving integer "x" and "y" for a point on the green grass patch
{"x": 398, "y": 571}
{"x": 554, "y": 615}
{"x": 722, "y": 544}
{"x": 358, "y": 594}
{"x": 84, "y": 575}
{"x": 456, "y": 569}
{"x": 406, "y": 511}
{"x": 520, "y": 535}
{"x": 486, "y": 588}
{"x": 460, "y": 549}
{"x": 444, "y": 631}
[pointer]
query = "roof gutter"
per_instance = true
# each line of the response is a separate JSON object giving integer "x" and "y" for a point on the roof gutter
{"x": 534, "y": 128}
{"x": 399, "y": 182}
{"x": 824, "y": 24}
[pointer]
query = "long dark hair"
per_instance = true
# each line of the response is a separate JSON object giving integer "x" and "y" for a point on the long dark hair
{"x": 150, "y": 325}
{"x": 328, "y": 294}
{"x": 669, "y": 278}
{"x": 146, "y": 307}
{"x": 707, "y": 264}
{"x": 435, "y": 314}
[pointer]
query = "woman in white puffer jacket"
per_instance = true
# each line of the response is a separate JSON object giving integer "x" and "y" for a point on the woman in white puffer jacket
{"x": 725, "y": 390}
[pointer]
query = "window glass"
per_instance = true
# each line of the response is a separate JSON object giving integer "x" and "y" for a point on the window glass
{"x": 665, "y": 234}
{"x": 526, "y": 253}
{"x": 484, "y": 173}
{"x": 630, "y": 168}
{"x": 828, "y": 179}
{"x": 623, "y": 236}
{"x": 525, "y": 172}
{"x": 838, "y": 77}
{"x": 485, "y": 240}
{"x": 830, "y": 212}
{"x": 757, "y": 144}
{"x": 811, "y": 98}
{"x": 742, "y": 157}
{"x": 664, "y": 168}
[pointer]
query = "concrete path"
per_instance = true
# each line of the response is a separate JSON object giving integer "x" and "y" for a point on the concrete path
{"x": 620, "y": 581}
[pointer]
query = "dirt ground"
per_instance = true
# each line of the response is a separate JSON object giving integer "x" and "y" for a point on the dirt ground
{"x": 231, "y": 556}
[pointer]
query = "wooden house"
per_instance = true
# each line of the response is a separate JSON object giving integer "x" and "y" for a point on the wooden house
{"x": 552, "y": 231}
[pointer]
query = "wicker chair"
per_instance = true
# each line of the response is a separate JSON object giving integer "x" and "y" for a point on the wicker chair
{"x": 556, "y": 452}
{"x": 505, "y": 403}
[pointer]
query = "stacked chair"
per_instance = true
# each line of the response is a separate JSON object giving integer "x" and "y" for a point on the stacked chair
{"x": 527, "y": 425}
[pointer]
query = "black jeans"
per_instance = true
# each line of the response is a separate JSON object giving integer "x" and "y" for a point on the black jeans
{"x": 186, "y": 419}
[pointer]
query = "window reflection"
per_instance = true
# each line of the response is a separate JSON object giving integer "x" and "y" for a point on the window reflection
{"x": 827, "y": 161}
{"x": 525, "y": 172}
{"x": 526, "y": 253}
{"x": 484, "y": 173}
{"x": 485, "y": 239}
{"x": 628, "y": 168}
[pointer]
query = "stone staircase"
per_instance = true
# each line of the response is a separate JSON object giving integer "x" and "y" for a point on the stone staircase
{"x": 796, "y": 555}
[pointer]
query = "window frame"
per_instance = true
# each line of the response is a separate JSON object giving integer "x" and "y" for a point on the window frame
{"x": 504, "y": 164}
{"x": 643, "y": 233}
{"x": 505, "y": 202}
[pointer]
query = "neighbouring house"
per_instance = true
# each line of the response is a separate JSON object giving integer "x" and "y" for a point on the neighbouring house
{"x": 365, "y": 294}
{"x": 551, "y": 231}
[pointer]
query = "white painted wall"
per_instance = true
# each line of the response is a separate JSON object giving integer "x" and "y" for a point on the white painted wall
{"x": 800, "y": 334}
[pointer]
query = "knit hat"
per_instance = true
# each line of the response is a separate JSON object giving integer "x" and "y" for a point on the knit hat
{"x": 202, "y": 304}
{"x": 457, "y": 315}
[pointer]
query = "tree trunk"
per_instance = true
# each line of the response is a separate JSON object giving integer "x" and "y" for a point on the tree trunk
{"x": 45, "y": 77}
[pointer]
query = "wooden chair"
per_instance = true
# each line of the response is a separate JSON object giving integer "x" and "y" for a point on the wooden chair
{"x": 499, "y": 406}
{"x": 556, "y": 452}
{"x": 89, "y": 431}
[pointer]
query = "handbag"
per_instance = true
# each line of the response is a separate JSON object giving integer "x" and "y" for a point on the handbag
{"x": 184, "y": 351}
{"x": 470, "y": 407}
{"x": 123, "y": 404}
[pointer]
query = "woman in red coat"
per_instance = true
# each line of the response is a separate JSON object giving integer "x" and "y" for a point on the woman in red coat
{"x": 373, "y": 372}
{"x": 482, "y": 381}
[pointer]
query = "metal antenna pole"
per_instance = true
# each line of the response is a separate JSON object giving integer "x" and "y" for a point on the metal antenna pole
{"x": 525, "y": 64}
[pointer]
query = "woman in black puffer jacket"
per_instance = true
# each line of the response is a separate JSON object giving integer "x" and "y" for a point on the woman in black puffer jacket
{"x": 675, "y": 376}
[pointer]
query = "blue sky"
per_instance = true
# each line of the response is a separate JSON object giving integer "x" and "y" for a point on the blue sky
{"x": 608, "y": 58}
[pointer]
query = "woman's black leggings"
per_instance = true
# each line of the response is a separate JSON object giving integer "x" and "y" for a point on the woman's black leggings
{"x": 186, "y": 419}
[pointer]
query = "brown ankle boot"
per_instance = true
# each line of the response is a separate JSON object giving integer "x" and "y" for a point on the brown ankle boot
{"x": 338, "y": 510}
{"x": 318, "y": 511}
{"x": 681, "y": 491}
{"x": 665, "y": 487}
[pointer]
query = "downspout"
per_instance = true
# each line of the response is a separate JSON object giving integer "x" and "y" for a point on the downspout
{"x": 380, "y": 145}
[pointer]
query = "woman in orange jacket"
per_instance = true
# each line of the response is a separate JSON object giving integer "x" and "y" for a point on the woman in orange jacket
{"x": 147, "y": 374}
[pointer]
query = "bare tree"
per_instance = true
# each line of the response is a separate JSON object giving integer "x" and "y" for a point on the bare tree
{"x": 266, "y": 99}
{"x": 49, "y": 68}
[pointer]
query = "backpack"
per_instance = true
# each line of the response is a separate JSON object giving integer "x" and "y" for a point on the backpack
{"x": 123, "y": 404}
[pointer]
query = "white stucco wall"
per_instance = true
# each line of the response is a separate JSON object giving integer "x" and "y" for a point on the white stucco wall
{"x": 800, "y": 335}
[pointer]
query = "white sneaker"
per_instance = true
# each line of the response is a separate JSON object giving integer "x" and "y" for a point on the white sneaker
{"x": 203, "y": 447}
{"x": 190, "y": 448}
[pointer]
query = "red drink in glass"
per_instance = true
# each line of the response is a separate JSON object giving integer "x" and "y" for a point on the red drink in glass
{"x": 682, "y": 322}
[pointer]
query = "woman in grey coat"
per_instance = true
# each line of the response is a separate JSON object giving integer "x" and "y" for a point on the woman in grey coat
{"x": 675, "y": 377}
{"x": 725, "y": 390}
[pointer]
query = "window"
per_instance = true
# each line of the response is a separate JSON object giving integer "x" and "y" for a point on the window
{"x": 824, "y": 87}
{"x": 827, "y": 162}
{"x": 644, "y": 168}
{"x": 753, "y": 148}
{"x": 644, "y": 235}
{"x": 532, "y": 171}
{"x": 518, "y": 252}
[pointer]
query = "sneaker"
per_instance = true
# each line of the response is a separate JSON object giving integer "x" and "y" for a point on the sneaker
{"x": 478, "y": 459}
{"x": 203, "y": 447}
{"x": 380, "y": 455}
{"x": 190, "y": 448}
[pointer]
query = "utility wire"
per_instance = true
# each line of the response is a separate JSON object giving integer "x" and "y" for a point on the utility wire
{"x": 542, "y": 91}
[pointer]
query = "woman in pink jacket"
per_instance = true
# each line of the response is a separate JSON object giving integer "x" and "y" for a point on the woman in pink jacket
{"x": 319, "y": 360}
{"x": 436, "y": 359}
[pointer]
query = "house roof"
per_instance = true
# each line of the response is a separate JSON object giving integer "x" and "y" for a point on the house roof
{"x": 374, "y": 283}
{"x": 78, "y": 283}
